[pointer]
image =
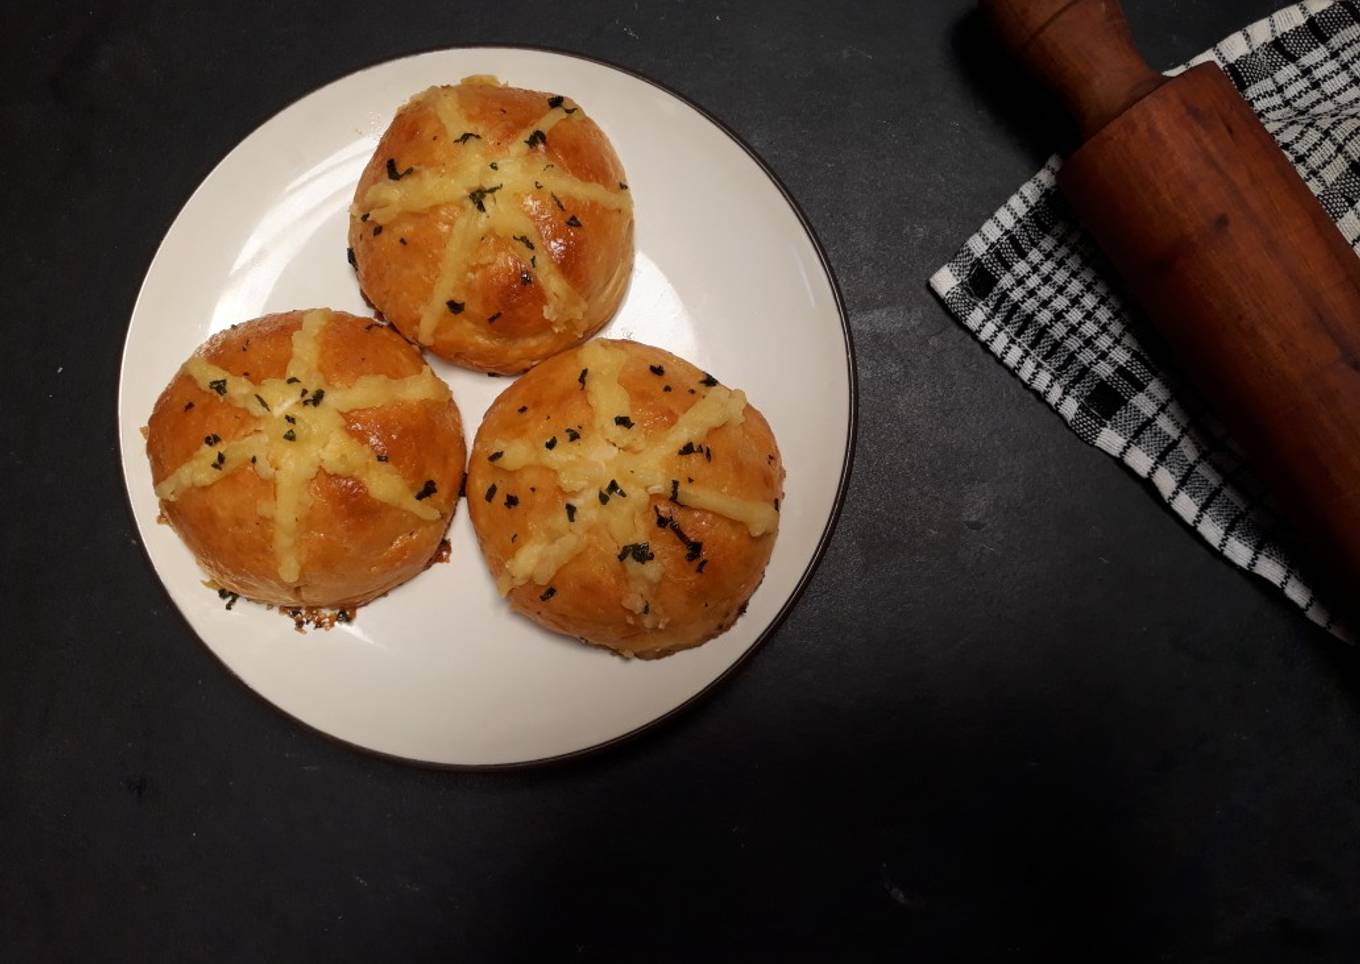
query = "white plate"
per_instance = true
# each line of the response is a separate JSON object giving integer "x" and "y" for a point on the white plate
{"x": 727, "y": 276}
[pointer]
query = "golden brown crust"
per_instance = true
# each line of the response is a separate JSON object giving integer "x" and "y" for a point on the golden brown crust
{"x": 701, "y": 566}
{"x": 351, "y": 546}
{"x": 534, "y": 254}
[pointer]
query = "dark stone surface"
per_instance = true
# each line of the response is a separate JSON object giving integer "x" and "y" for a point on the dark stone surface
{"x": 1021, "y": 711}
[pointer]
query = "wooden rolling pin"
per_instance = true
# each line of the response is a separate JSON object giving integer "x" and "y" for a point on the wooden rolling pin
{"x": 1229, "y": 254}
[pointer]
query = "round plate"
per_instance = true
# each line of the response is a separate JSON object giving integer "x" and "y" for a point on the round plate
{"x": 727, "y": 275}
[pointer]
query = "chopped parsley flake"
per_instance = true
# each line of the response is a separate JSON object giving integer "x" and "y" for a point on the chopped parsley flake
{"x": 555, "y": 101}
{"x": 604, "y": 498}
{"x": 491, "y": 492}
{"x": 557, "y": 201}
{"x": 573, "y": 435}
{"x": 479, "y": 195}
{"x": 316, "y": 398}
{"x": 219, "y": 385}
{"x": 217, "y": 462}
{"x": 511, "y": 501}
{"x": 426, "y": 490}
{"x": 466, "y": 136}
{"x": 547, "y": 594}
{"x": 582, "y": 377}
{"x": 524, "y": 240}
{"x": 212, "y": 439}
{"x": 536, "y": 138}
{"x": 394, "y": 174}
{"x": 573, "y": 222}
{"x": 571, "y": 512}
{"x": 263, "y": 404}
{"x": 551, "y": 443}
{"x": 623, "y": 420}
{"x": 708, "y": 380}
{"x": 656, "y": 369}
{"x": 640, "y": 551}
{"x": 495, "y": 456}
{"x": 455, "y": 306}
{"x": 290, "y": 435}
{"x": 377, "y": 230}
{"x": 349, "y": 256}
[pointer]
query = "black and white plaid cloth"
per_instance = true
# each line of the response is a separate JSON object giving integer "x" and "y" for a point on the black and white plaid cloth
{"x": 1032, "y": 287}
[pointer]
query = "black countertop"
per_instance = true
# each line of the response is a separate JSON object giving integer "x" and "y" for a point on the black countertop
{"x": 1020, "y": 711}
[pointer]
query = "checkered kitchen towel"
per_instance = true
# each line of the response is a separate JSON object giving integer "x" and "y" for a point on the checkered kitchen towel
{"x": 1033, "y": 288}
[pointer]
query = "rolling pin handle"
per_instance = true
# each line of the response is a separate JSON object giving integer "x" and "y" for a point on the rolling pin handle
{"x": 1080, "y": 49}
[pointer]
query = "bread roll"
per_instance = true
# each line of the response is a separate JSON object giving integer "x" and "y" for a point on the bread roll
{"x": 308, "y": 458}
{"x": 493, "y": 225}
{"x": 623, "y": 496}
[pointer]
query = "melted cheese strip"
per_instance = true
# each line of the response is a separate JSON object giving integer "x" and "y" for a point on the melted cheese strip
{"x": 299, "y": 438}
{"x": 519, "y": 146}
{"x": 758, "y": 517}
{"x": 203, "y": 469}
{"x": 565, "y": 185}
{"x": 463, "y": 242}
{"x": 454, "y": 121}
{"x": 575, "y": 471}
{"x": 306, "y": 361}
{"x": 384, "y": 201}
{"x": 240, "y": 392}
{"x": 540, "y": 561}
{"x": 292, "y": 498}
{"x": 608, "y": 399}
{"x": 719, "y": 407}
{"x": 371, "y": 391}
{"x": 422, "y": 190}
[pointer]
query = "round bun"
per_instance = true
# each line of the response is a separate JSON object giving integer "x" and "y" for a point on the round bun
{"x": 623, "y": 496}
{"x": 493, "y": 225}
{"x": 307, "y": 458}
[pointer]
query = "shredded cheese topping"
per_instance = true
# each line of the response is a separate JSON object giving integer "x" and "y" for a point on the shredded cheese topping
{"x": 608, "y": 476}
{"x": 301, "y": 431}
{"x": 489, "y": 186}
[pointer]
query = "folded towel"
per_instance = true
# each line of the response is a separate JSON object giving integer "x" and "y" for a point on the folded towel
{"x": 1035, "y": 290}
